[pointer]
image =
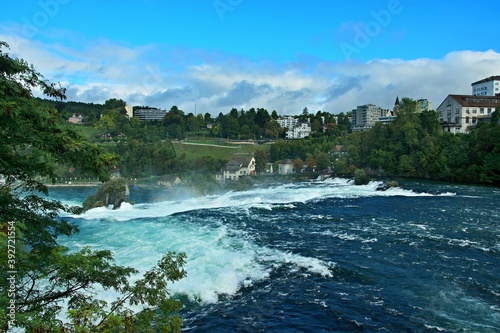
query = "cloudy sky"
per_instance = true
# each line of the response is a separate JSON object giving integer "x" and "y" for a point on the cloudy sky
{"x": 280, "y": 55}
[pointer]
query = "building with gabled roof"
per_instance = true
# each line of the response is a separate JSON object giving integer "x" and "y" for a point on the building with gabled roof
{"x": 76, "y": 119}
{"x": 457, "y": 113}
{"x": 236, "y": 168}
{"x": 285, "y": 167}
{"x": 169, "y": 181}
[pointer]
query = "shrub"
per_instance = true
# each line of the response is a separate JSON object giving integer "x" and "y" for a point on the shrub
{"x": 360, "y": 177}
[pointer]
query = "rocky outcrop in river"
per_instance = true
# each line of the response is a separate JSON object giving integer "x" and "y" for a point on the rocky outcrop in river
{"x": 112, "y": 193}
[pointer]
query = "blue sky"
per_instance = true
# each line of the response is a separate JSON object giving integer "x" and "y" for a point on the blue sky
{"x": 282, "y": 55}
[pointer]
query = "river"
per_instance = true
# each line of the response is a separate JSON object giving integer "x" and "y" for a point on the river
{"x": 315, "y": 256}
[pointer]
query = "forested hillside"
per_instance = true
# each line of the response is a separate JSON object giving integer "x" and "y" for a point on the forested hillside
{"x": 413, "y": 145}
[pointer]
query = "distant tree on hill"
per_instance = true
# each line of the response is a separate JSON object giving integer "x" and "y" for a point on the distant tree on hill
{"x": 260, "y": 156}
{"x": 298, "y": 164}
{"x": 322, "y": 161}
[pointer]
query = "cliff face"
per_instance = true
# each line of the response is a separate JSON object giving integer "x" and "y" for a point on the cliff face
{"x": 113, "y": 192}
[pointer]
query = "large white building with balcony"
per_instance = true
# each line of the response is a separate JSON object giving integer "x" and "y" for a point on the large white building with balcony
{"x": 457, "y": 113}
{"x": 487, "y": 87}
{"x": 299, "y": 131}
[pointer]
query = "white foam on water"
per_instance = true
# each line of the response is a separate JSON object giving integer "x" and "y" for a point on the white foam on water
{"x": 286, "y": 194}
{"x": 220, "y": 259}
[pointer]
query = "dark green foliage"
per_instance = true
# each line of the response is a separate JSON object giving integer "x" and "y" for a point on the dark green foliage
{"x": 113, "y": 192}
{"x": 415, "y": 146}
{"x": 412, "y": 146}
{"x": 360, "y": 177}
{"x": 139, "y": 159}
{"x": 260, "y": 161}
{"x": 315, "y": 149}
{"x": 35, "y": 140}
{"x": 322, "y": 161}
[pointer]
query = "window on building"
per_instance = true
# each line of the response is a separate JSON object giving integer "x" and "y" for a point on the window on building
{"x": 481, "y": 110}
{"x": 457, "y": 110}
{"x": 467, "y": 120}
{"x": 457, "y": 120}
{"x": 474, "y": 110}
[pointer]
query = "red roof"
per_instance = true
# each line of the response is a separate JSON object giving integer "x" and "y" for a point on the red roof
{"x": 477, "y": 101}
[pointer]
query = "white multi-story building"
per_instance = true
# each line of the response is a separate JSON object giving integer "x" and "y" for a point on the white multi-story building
{"x": 457, "y": 113}
{"x": 487, "y": 87}
{"x": 299, "y": 131}
{"x": 424, "y": 105}
{"x": 150, "y": 114}
{"x": 365, "y": 116}
{"x": 288, "y": 122}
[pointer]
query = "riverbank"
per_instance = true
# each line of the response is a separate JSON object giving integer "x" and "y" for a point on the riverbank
{"x": 70, "y": 184}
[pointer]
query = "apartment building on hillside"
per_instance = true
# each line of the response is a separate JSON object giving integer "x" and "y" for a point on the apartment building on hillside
{"x": 288, "y": 121}
{"x": 150, "y": 114}
{"x": 424, "y": 105}
{"x": 365, "y": 116}
{"x": 299, "y": 131}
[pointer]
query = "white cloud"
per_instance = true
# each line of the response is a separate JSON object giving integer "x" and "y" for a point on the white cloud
{"x": 155, "y": 75}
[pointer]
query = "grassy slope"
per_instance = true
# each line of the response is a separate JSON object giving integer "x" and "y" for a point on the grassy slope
{"x": 87, "y": 131}
{"x": 218, "y": 150}
{"x": 195, "y": 148}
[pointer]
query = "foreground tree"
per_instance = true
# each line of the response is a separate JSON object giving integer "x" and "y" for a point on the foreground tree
{"x": 39, "y": 275}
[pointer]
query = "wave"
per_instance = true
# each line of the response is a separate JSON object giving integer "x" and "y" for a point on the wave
{"x": 221, "y": 260}
{"x": 264, "y": 198}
